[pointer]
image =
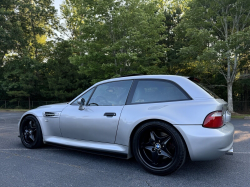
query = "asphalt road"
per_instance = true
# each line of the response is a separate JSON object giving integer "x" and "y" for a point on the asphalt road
{"x": 52, "y": 166}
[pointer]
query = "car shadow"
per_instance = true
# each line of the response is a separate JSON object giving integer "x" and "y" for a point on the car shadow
{"x": 130, "y": 166}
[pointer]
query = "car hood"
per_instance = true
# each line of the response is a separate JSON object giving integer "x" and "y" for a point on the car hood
{"x": 58, "y": 106}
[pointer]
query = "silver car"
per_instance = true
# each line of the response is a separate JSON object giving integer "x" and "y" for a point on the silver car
{"x": 158, "y": 119}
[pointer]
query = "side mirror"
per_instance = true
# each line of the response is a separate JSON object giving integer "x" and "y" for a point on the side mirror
{"x": 81, "y": 103}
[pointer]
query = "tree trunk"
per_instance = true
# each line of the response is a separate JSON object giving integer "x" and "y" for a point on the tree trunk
{"x": 230, "y": 96}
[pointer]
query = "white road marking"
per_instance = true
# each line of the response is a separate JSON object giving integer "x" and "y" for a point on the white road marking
{"x": 7, "y": 128}
{"x": 242, "y": 152}
{"x": 30, "y": 149}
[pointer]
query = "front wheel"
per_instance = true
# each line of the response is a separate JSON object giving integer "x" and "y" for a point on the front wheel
{"x": 30, "y": 132}
{"x": 159, "y": 148}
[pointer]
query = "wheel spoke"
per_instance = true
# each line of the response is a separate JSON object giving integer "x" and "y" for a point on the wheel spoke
{"x": 30, "y": 124}
{"x": 152, "y": 136}
{"x": 31, "y": 136}
{"x": 150, "y": 148}
{"x": 165, "y": 153}
{"x": 165, "y": 141}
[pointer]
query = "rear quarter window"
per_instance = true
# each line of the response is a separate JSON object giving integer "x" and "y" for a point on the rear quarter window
{"x": 148, "y": 91}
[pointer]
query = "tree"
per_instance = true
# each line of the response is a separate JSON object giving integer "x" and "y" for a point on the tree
{"x": 115, "y": 37}
{"x": 174, "y": 41}
{"x": 20, "y": 78}
{"x": 219, "y": 35}
{"x": 24, "y": 26}
{"x": 61, "y": 80}
{"x": 10, "y": 30}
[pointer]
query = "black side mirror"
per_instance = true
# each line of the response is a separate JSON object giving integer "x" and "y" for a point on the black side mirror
{"x": 81, "y": 103}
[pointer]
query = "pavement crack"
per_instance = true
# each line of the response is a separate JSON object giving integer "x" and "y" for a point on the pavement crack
{"x": 148, "y": 184}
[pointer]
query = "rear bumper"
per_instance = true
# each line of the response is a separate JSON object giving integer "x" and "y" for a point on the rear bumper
{"x": 207, "y": 144}
{"x": 230, "y": 151}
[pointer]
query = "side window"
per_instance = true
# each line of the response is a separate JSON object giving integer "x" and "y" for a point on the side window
{"x": 148, "y": 91}
{"x": 111, "y": 94}
{"x": 85, "y": 96}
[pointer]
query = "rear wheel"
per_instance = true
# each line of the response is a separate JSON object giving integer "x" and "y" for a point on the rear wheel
{"x": 30, "y": 133}
{"x": 159, "y": 148}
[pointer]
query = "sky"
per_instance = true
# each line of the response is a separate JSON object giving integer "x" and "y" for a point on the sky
{"x": 57, "y": 5}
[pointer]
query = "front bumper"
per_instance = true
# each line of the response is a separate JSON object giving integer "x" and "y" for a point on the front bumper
{"x": 205, "y": 143}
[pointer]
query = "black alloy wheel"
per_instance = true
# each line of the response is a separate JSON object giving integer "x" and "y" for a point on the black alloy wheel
{"x": 159, "y": 148}
{"x": 30, "y": 132}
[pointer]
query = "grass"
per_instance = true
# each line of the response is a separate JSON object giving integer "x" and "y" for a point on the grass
{"x": 239, "y": 116}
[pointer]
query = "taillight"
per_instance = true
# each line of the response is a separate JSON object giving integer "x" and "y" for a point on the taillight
{"x": 213, "y": 120}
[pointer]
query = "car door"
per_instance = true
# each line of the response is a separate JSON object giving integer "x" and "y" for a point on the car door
{"x": 99, "y": 120}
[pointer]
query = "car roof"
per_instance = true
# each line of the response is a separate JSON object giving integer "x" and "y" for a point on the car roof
{"x": 169, "y": 77}
{"x": 189, "y": 86}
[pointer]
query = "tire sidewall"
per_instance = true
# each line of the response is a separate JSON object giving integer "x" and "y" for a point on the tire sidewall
{"x": 180, "y": 150}
{"x": 38, "y": 140}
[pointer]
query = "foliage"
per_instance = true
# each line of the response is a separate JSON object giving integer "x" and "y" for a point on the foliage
{"x": 25, "y": 24}
{"x": 208, "y": 39}
{"x": 116, "y": 38}
{"x": 20, "y": 78}
{"x": 219, "y": 35}
{"x": 63, "y": 82}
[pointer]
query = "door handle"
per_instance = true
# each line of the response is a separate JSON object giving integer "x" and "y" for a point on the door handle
{"x": 109, "y": 114}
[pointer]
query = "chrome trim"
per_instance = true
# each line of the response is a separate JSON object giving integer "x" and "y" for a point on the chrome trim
{"x": 51, "y": 114}
{"x": 230, "y": 151}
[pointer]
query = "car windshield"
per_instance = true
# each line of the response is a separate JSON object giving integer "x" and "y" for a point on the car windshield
{"x": 207, "y": 90}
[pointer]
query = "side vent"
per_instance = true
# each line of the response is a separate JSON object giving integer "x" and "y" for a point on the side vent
{"x": 51, "y": 114}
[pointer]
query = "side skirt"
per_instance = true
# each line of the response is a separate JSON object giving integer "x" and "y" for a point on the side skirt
{"x": 106, "y": 149}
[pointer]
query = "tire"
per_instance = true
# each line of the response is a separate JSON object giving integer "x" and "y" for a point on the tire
{"x": 159, "y": 148}
{"x": 30, "y": 132}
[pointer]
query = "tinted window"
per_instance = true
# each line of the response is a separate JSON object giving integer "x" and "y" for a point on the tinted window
{"x": 85, "y": 96}
{"x": 111, "y": 94}
{"x": 157, "y": 91}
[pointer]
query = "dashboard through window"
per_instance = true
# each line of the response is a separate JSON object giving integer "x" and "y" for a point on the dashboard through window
{"x": 111, "y": 94}
{"x": 148, "y": 91}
